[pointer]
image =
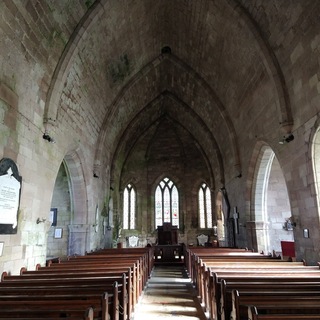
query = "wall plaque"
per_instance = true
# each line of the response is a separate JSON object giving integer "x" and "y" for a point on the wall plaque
{"x": 10, "y": 190}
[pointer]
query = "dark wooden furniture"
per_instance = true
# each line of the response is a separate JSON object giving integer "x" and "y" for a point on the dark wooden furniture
{"x": 167, "y": 234}
{"x": 167, "y": 254}
{"x": 168, "y": 250}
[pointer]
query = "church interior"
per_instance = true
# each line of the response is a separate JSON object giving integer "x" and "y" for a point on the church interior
{"x": 158, "y": 123}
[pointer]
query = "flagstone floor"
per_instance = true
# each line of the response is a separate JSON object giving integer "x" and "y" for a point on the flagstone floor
{"x": 169, "y": 294}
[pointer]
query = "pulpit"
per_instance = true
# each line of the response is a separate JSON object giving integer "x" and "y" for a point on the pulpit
{"x": 168, "y": 250}
{"x": 167, "y": 234}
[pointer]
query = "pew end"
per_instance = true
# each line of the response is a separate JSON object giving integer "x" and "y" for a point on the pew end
{"x": 22, "y": 270}
{"x": 3, "y": 275}
{"x": 89, "y": 314}
{"x": 252, "y": 313}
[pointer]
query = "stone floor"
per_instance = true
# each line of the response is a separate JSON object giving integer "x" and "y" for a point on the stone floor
{"x": 169, "y": 294}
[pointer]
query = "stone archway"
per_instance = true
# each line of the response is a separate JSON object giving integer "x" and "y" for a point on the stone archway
{"x": 70, "y": 200}
{"x": 270, "y": 206}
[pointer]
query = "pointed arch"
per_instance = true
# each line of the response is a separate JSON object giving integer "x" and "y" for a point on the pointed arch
{"x": 205, "y": 207}
{"x": 166, "y": 203}
{"x": 269, "y": 202}
{"x": 129, "y": 207}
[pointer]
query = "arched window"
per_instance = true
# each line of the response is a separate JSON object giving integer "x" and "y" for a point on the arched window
{"x": 205, "y": 208}
{"x": 129, "y": 208}
{"x": 166, "y": 203}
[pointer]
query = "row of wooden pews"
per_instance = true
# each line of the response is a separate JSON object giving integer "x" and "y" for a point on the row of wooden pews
{"x": 239, "y": 284}
{"x": 105, "y": 284}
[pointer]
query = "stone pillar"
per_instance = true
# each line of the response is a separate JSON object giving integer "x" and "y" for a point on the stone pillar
{"x": 257, "y": 235}
{"x": 78, "y": 239}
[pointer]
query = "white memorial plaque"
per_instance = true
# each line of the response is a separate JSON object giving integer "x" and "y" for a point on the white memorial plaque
{"x": 9, "y": 198}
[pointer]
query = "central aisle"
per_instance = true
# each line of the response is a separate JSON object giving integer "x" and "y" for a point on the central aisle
{"x": 169, "y": 294}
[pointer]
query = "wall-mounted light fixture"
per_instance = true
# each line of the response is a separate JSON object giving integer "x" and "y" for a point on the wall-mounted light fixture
{"x": 42, "y": 220}
{"x": 47, "y": 137}
{"x": 286, "y": 138}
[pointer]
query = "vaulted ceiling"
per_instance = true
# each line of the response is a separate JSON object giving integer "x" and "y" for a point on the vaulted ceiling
{"x": 210, "y": 65}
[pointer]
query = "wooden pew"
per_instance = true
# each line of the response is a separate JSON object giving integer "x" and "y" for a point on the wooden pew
{"x": 77, "y": 282}
{"x": 215, "y": 287}
{"x": 253, "y": 314}
{"x": 81, "y": 289}
{"x": 142, "y": 267}
{"x": 212, "y": 255}
{"x": 274, "y": 303}
{"x": 66, "y": 269}
{"x": 264, "y": 287}
{"x": 191, "y": 254}
{"x": 205, "y": 267}
{"x": 79, "y": 278}
{"x": 229, "y": 263}
{"x": 88, "y": 315}
{"x": 147, "y": 254}
{"x": 201, "y": 270}
{"x": 58, "y": 307}
{"x": 214, "y": 295}
{"x": 139, "y": 276}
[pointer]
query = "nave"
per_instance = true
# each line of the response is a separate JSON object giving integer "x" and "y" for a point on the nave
{"x": 169, "y": 294}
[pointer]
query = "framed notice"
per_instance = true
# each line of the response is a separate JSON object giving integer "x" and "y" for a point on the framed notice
{"x": 53, "y": 216}
{"x": 1, "y": 248}
{"x": 10, "y": 187}
{"x": 58, "y": 233}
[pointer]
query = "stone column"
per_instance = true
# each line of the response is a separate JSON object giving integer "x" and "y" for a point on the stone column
{"x": 78, "y": 239}
{"x": 257, "y": 235}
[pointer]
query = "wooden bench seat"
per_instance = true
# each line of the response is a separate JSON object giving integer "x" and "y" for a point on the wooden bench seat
{"x": 276, "y": 303}
{"x": 52, "y": 286}
{"x": 271, "y": 278}
{"x": 88, "y": 315}
{"x": 59, "y": 307}
{"x": 224, "y": 304}
{"x": 249, "y": 270}
{"x": 253, "y": 314}
{"x": 210, "y": 270}
{"x": 139, "y": 275}
{"x": 67, "y": 288}
{"x": 142, "y": 266}
{"x": 79, "y": 282}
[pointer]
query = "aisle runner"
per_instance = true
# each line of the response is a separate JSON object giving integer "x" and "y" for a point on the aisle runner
{"x": 169, "y": 294}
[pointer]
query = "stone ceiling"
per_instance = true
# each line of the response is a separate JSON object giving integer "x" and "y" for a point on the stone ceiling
{"x": 207, "y": 62}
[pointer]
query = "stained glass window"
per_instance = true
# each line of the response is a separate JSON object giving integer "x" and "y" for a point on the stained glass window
{"x": 166, "y": 203}
{"x": 129, "y": 207}
{"x": 205, "y": 208}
